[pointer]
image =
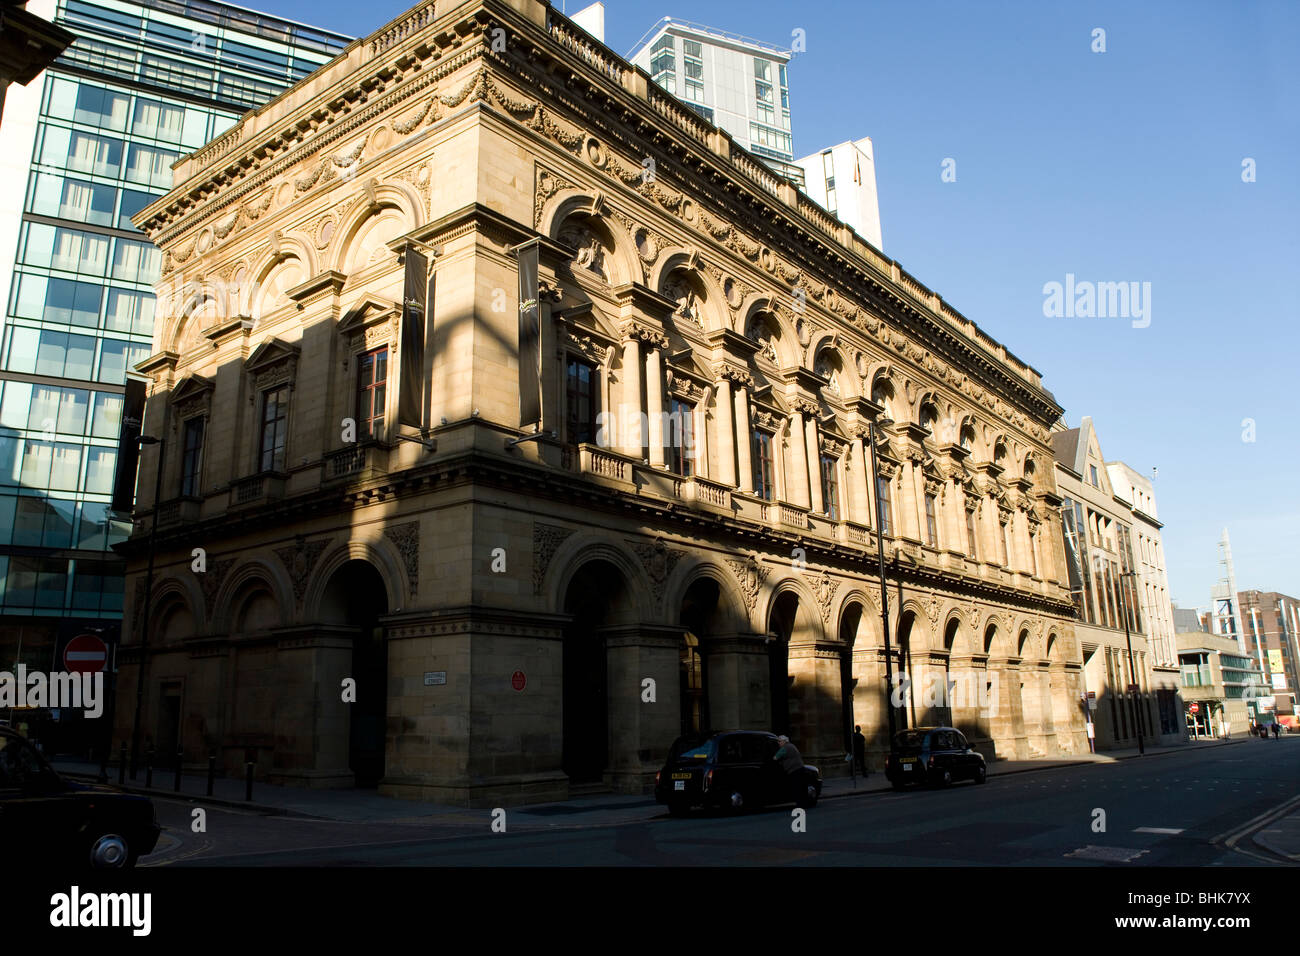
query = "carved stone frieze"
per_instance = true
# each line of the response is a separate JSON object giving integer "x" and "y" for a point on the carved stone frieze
{"x": 547, "y": 539}
{"x": 751, "y": 576}
{"x": 406, "y": 538}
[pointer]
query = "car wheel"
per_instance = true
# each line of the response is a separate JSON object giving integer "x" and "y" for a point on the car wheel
{"x": 111, "y": 851}
{"x": 945, "y": 780}
{"x": 982, "y": 775}
{"x": 808, "y": 798}
{"x": 737, "y": 800}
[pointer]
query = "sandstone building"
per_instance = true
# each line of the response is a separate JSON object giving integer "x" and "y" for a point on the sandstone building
{"x": 525, "y": 619}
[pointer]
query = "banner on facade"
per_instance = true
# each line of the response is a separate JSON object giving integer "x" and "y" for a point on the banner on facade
{"x": 128, "y": 446}
{"x": 416, "y": 295}
{"x": 530, "y": 345}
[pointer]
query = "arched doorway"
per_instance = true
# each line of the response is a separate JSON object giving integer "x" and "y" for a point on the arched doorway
{"x": 701, "y": 621}
{"x": 356, "y": 597}
{"x": 849, "y": 624}
{"x": 949, "y": 691}
{"x": 780, "y": 627}
{"x": 595, "y": 599}
{"x": 906, "y": 714}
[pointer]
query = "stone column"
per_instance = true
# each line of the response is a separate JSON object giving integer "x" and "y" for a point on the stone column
{"x": 1006, "y": 716}
{"x": 968, "y": 678}
{"x": 814, "y": 463}
{"x": 738, "y": 681}
{"x": 629, "y": 419}
{"x": 726, "y": 435}
{"x": 654, "y": 399}
{"x": 744, "y": 440}
{"x": 816, "y": 721}
{"x": 311, "y": 721}
{"x": 797, "y": 482}
{"x": 640, "y": 731}
{"x": 870, "y": 699}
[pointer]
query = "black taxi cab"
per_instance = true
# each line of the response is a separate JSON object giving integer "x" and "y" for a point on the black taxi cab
{"x": 933, "y": 755}
{"x": 732, "y": 769}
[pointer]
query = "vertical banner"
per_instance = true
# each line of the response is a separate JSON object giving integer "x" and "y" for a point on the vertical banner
{"x": 530, "y": 329}
{"x": 128, "y": 446}
{"x": 414, "y": 303}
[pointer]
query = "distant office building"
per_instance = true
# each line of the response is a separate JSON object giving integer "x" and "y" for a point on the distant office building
{"x": 738, "y": 84}
{"x": 1271, "y": 627}
{"x": 82, "y": 150}
{"x": 842, "y": 179}
{"x": 1222, "y": 682}
{"x": 1099, "y": 529}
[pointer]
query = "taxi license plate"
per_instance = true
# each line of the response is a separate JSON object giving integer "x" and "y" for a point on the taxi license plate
{"x": 681, "y": 776}
{"x": 679, "y": 784}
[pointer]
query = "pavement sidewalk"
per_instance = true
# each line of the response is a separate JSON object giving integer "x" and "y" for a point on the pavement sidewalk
{"x": 368, "y": 806}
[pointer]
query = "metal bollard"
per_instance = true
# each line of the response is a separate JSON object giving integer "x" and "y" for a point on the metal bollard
{"x": 212, "y": 771}
{"x": 121, "y": 766}
{"x": 248, "y": 782}
{"x": 176, "y": 783}
{"x": 148, "y": 768}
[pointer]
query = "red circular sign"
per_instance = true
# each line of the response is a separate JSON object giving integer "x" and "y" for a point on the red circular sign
{"x": 85, "y": 654}
{"x": 518, "y": 680}
{"x": 1195, "y": 708}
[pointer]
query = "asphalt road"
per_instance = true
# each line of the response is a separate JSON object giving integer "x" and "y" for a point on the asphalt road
{"x": 1162, "y": 810}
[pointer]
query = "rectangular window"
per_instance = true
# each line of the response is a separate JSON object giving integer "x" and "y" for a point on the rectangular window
{"x": 1002, "y": 544}
{"x": 931, "y": 525}
{"x": 680, "y": 434}
{"x": 191, "y": 456}
{"x": 72, "y": 303}
{"x": 580, "y": 402}
{"x": 763, "y": 465}
{"x": 101, "y": 108}
{"x": 831, "y": 486}
{"x": 372, "y": 382}
{"x": 885, "y": 505}
{"x": 971, "y": 551}
{"x": 275, "y": 428}
{"x": 149, "y": 165}
{"x": 1092, "y": 474}
{"x": 762, "y": 69}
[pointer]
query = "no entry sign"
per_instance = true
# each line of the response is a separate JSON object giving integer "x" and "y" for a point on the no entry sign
{"x": 1195, "y": 708}
{"x": 518, "y": 680}
{"x": 85, "y": 654}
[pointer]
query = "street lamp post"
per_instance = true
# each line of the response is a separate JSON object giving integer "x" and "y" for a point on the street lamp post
{"x": 148, "y": 603}
{"x": 884, "y": 587}
{"x": 1128, "y": 638}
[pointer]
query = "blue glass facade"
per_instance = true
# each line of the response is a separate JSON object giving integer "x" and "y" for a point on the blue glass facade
{"x": 143, "y": 84}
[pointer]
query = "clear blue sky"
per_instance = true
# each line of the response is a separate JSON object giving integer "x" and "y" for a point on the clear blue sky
{"x": 1116, "y": 166}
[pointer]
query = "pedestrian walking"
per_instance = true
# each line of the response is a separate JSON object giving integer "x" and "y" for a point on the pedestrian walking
{"x": 1277, "y": 729}
{"x": 859, "y": 749}
{"x": 1227, "y": 730}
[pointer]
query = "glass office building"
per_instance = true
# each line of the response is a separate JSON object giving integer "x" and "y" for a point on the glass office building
{"x": 737, "y": 83}
{"x": 83, "y": 148}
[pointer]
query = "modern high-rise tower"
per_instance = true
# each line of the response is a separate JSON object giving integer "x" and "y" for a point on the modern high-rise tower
{"x": 82, "y": 148}
{"x": 737, "y": 83}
